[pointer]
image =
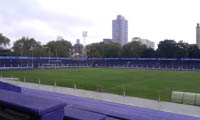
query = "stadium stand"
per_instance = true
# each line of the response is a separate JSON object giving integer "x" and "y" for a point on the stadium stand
{"x": 34, "y": 107}
{"x": 22, "y": 63}
{"x": 79, "y": 114}
{"x": 111, "y": 110}
{"x": 31, "y": 102}
{"x": 9, "y": 87}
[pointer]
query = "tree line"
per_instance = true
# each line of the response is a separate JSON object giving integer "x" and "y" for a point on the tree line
{"x": 63, "y": 48}
{"x": 30, "y": 47}
{"x": 166, "y": 49}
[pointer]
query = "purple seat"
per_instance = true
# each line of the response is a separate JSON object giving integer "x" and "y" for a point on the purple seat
{"x": 110, "y": 118}
{"x": 78, "y": 114}
{"x": 111, "y": 110}
{"x": 38, "y": 108}
{"x": 9, "y": 87}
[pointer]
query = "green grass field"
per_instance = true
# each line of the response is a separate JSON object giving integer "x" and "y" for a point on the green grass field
{"x": 138, "y": 83}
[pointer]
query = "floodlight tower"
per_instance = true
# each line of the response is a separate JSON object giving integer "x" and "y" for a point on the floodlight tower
{"x": 198, "y": 35}
{"x": 84, "y": 35}
{"x": 59, "y": 38}
{"x": 21, "y": 45}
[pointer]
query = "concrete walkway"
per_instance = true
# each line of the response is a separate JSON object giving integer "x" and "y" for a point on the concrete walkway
{"x": 131, "y": 101}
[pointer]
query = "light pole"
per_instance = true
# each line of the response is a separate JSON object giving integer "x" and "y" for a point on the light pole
{"x": 32, "y": 58}
{"x": 46, "y": 47}
{"x": 32, "y": 55}
{"x": 21, "y": 54}
{"x": 49, "y": 55}
{"x": 56, "y": 57}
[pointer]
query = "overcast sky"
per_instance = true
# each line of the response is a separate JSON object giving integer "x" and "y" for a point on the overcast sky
{"x": 44, "y": 20}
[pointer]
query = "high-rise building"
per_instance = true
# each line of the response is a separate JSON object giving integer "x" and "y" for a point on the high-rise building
{"x": 120, "y": 30}
{"x": 148, "y": 43}
{"x": 78, "y": 49}
{"x": 198, "y": 35}
{"x": 107, "y": 40}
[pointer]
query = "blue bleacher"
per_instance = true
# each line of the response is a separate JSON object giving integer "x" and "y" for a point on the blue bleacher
{"x": 9, "y": 87}
{"x": 38, "y": 103}
{"x": 111, "y": 110}
{"x": 37, "y": 108}
{"x": 110, "y": 118}
{"x": 15, "y": 63}
{"x": 78, "y": 114}
{"x": 15, "y": 68}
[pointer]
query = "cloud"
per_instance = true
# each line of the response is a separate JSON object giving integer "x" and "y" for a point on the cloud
{"x": 27, "y": 18}
{"x": 45, "y": 19}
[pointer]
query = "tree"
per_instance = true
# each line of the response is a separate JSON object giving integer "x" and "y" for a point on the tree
{"x": 25, "y": 46}
{"x": 4, "y": 41}
{"x": 193, "y": 52}
{"x": 181, "y": 50}
{"x": 94, "y": 50}
{"x": 59, "y": 48}
{"x": 111, "y": 50}
{"x": 148, "y": 53}
{"x": 39, "y": 52}
{"x": 133, "y": 50}
{"x": 105, "y": 50}
{"x": 166, "y": 49}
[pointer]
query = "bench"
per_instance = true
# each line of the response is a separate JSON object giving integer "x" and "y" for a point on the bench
{"x": 9, "y": 87}
{"x": 78, "y": 114}
{"x": 111, "y": 114}
{"x": 32, "y": 108}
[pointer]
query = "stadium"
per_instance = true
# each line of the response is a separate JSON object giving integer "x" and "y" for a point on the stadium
{"x": 99, "y": 60}
{"x": 99, "y": 88}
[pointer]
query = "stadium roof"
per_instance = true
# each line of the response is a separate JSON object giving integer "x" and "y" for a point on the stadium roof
{"x": 117, "y": 59}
